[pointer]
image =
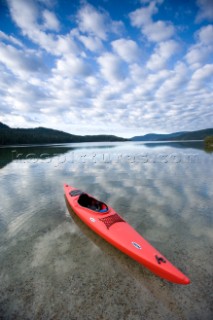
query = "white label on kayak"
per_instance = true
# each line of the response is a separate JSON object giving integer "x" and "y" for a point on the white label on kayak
{"x": 136, "y": 245}
{"x": 92, "y": 219}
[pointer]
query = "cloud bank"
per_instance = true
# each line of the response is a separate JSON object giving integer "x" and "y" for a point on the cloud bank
{"x": 87, "y": 70}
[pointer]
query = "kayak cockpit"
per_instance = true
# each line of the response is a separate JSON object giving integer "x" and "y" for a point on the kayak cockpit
{"x": 91, "y": 203}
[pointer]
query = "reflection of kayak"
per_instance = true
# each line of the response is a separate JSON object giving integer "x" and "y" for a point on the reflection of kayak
{"x": 109, "y": 225}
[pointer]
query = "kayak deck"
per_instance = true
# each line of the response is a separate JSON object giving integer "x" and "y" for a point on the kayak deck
{"x": 114, "y": 229}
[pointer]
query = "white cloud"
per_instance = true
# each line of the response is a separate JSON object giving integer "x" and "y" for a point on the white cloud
{"x": 92, "y": 43}
{"x": 91, "y": 21}
{"x": 95, "y": 23}
{"x": 148, "y": 84}
{"x": 163, "y": 52}
{"x": 111, "y": 67}
{"x": 139, "y": 85}
{"x": 205, "y": 10}
{"x": 143, "y": 16}
{"x": 158, "y": 31}
{"x": 64, "y": 44}
{"x": 94, "y": 83}
{"x": 200, "y": 52}
{"x": 205, "y": 35}
{"x": 201, "y": 76}
{"x": 50, "y": 21}
{"x": 128, "y": 50}
{"x": 203, "y": 73}
{"x": 71, "y": 66}
{"x": 154, "y": 31}
{"x": 19, "y": 62}
{"x": 174, "y": 83}
{"x": 115, "y": 27}
{"x": 137, "y": 72}
{"x": 20, "y": 97}
{"x": 26, "y": 15}
{"x": 197, "y": 55}
{"x": 10, "y": 39}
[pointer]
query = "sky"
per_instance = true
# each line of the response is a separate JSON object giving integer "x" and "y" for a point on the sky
{"x": 126, "y": 67}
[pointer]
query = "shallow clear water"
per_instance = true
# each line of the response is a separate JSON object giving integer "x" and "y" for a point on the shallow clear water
{"x": 53, "y": 267}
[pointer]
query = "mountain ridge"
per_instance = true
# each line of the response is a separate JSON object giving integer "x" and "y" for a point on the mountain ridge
{"x": 42, "y": 135}
{"x": 176, "y": 136}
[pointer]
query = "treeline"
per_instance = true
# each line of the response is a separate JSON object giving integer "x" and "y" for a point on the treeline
{"x": 176, "y": 136}
{"x": 209, "y": 141}
{"x": 196, "y": 135}
{"x": 9, "y": 136}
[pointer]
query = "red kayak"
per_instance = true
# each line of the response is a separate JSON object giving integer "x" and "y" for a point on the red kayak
{"x": 113, "y": 228}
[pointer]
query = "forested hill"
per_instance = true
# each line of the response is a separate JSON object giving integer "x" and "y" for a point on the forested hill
{"x": 9, "y": 136}
{"x": 176, "y": 136}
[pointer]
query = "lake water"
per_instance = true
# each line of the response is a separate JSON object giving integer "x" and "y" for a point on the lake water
{"x": 53, "y": 267}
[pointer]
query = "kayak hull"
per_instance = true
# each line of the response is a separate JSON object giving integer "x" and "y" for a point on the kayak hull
{"x": 115, "y": 230}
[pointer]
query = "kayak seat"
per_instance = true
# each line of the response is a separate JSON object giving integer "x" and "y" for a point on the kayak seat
{"x": 104, "y": 207}
{"x": 85, "y": 201}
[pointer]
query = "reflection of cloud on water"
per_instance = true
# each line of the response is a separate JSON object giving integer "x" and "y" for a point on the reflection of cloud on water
{"x": 33, "y": 154}
{"x": 57, "y": 239}
{"x": 57, "y": 269}
{"x": 205, "y": 231}
{"x": 176, "y": 144}
{"x": 18, "y": 224}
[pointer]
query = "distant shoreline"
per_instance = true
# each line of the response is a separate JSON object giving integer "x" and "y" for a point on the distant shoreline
{"x": 45, "y": 136}
{"x": 63, "y": 144}
{"x": 40, "y": 136}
